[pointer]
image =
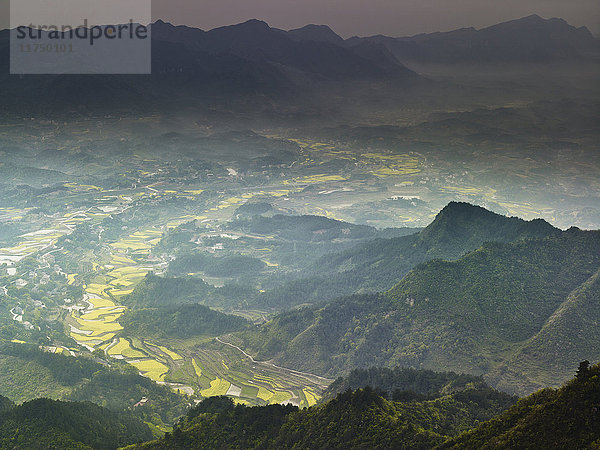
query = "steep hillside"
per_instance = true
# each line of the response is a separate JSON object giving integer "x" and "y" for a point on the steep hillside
{"x": 569, "y": 335}
{"x": 563, "y": 418}
{"x": 473, "y": 315}
{"x": 27, "y": 373}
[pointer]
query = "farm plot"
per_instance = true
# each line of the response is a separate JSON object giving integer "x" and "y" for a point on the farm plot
{"x": 151, "y": 368}
{"x": 207, "y": 370}
{"x": 123, "y": 348}
{"x": 224, "y": 371}
{"x": 31, "y": 243}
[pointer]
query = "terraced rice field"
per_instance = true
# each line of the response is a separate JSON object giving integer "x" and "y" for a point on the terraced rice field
{"x": 123, "y": 349}
{"x": 321, "y": 178}
{"x": 102, "y": 315}
{"x": 386, "y": 165}
{"x": 197, "y": 368}
{"x": 31, "y": 243}
{"x": 218, "y": 386}
{"x": 96, "y": 325}
{"x": 217, "y": 369}
{"x": 151, "y": 368}
{"x": 164, "y": 350}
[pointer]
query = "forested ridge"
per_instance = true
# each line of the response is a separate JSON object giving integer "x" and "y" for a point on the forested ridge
{"x": 361, "y": 418}
{"x": 180, "y": 321}
{"x": 469, "y": 417}
{"x": 45, "y": 423}
{"x": 568, "y": 417}
{"x": 28, "y": 373}
{"x": 369, "y": 408}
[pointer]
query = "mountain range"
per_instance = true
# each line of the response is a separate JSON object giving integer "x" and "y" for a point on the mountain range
{"x": 529, "y": 39}
{"x": 190, "y": 65}
{"x": 519, "y": 308}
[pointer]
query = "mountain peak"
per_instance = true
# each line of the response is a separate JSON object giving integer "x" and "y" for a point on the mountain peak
{"x": 459, "y": 226}
{"x": 455, "y": 213}
{"x": 525, "y": 24}
{"x": 464, "y": 209}
{"x": 251, "y": 28}
{"x": 161, "y": 25}
{"x": 316, "y": 33}
{"x": 532, "y": 18}
{"x": 253, "y": 24}
{"x": 530, "y": 39}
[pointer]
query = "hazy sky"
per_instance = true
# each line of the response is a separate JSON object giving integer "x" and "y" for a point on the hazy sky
{"x": 367, "y": 17}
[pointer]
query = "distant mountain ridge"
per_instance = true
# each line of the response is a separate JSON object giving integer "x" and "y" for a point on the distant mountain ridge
{"x": 256, "y": 41}
{"x": 191, "y": 66}
{"x": 529, "y": 39}
{"x": 316, "y": 33}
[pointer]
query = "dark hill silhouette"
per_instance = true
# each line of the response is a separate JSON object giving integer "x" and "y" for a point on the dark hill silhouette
{"x": 529, "y": 39}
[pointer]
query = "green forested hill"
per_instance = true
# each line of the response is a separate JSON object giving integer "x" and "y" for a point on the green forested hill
{"x": 379, "y": 264}
{"x": 472, "y": 315}
{"x": 571, "y": 333}
{"x": 362, "y": 418}
{"x": 303, "y": 228}
{"x": 460, "y": 412}
{"x": 215, "y": 266}
{"x": 44, "y": 423}
{"x": 372, "y": 266}
{"x": 5, "y": 404}
{"x": 399, "y": 380}
{"x": 457, "y": 229}
{"x": 27, "y": 373}
{"x": 471, "y": 417}
{"x": 293, "y": 243}
{"x": 462, "y": 227}
{"x": 180, "y": 321}
{"x": 565, "y": 418}
{"x": 158, "y": 291}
